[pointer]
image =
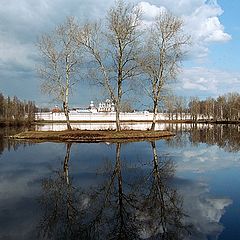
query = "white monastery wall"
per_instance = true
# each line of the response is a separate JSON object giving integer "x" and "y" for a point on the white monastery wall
{"x": 104, "y": 116}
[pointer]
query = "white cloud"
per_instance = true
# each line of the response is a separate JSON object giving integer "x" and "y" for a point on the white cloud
{"x": 201, "y": 21}
{"x": 204, "y": 26}
{"x": 150, "y": 11}
{"x": 180, "y": 7}
{"x": 22, "y": 22}
{"x": 13, "y": 52}
{"x": 204, "y": 81}
{"x": 214, "y": 31}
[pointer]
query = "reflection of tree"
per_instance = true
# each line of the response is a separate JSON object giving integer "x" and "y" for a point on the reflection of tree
{"x": 224, "y": 136}
{"x": 63, "y": 206}
{"x": 104, "y": 213}
{"x": 65, "y": 164}
{"x": 162, "y": 213}
{"x": 114, "y": 216}
{"x": 6, "y": 143}
{"x": 120, "y": 207}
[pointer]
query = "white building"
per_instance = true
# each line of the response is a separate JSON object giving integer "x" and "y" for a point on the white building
{"x": 107, "y": 106}
{"x": 104, "y": 112}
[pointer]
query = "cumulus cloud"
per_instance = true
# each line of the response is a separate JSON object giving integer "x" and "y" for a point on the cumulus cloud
{"x": 201, "y": 21}
{"x": 150, "y": 11}
{"x": 202, "y": 81}
{"x": 22, "y": 22}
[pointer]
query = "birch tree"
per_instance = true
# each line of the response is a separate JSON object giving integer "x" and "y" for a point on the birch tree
{"x": 61, "y": 58}
{"x": 162, "y": 56}
{"x": 114, "y": 49}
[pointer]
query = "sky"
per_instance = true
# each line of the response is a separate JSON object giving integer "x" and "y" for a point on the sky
{"x": 212, "y": 68}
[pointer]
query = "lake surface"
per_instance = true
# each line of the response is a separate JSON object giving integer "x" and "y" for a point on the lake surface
{"x": 183, "y": 188}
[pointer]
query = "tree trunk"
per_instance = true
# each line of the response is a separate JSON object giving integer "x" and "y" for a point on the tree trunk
{"x": 155, "y": 111}
{"x": 65, "y": 109}
{"x": 118, "y": 124}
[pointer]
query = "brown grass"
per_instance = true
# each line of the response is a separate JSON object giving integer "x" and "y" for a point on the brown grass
{"x": 92, "y": 136}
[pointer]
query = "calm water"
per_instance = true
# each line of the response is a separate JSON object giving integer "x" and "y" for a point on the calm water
{"x": 183, "y": 188}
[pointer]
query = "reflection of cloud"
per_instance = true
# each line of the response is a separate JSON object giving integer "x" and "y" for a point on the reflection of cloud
{"x": 215, "y": 208}
{"x": 204, "y": 212}
{"x": 19, "y": 218}
{"x": 23, "y": 170}
{"x": 205, "y": 158}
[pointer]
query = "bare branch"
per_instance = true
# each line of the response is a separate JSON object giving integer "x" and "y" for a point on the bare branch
{"x": 162, "y": 56}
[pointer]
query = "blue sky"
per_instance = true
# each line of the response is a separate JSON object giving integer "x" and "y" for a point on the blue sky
{"x": 212, "y": 70}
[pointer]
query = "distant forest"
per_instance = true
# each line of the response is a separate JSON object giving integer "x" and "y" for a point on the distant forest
{"x": 13, "y": 111}
{"x": 224, "y": 108}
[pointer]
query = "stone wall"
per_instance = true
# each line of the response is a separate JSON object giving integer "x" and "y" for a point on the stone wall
{"x": 104, "y": 116}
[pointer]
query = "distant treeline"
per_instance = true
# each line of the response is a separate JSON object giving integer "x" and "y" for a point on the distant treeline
{"x": 223, "y": 108}
{"x": 16, "y": 112}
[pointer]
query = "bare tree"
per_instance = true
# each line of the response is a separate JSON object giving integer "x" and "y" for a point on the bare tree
{"x": 180, "y": 106}
{"x": 61, "y": 57}
{"x": 126, "y": 106}
{"x": 114, "y": 50}
{"x": 194, "y": 108}
{"x": 162, "y": 56}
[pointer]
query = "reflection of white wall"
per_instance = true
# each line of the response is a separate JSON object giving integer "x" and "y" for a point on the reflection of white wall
{"x": 98, "y": 126}
{"x": 111, "y": 125}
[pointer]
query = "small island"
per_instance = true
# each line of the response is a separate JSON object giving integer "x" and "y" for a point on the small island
{"x": 92, "y": 136}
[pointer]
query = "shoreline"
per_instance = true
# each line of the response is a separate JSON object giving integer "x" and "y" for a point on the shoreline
{"x": 28, "y": 124}
{"x": 92, "y": 136}
{"x": 20, "y": 123}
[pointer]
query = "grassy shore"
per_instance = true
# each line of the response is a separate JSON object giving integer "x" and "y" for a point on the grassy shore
{"x": 92, "y": 136}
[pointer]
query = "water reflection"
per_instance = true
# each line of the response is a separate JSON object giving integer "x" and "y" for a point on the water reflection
{"x": 63, "y": 206}
{"x": 8, "y": 143}
{"x": 98, "y": 126}
{"x": 115, "y": 203}
{"x": 119, "y": 191}
{"x": 100, "y": 213}
{"x": 223, "y": 135}
{"x": 162, "y": 210}
{"x": 120, "y": 207}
